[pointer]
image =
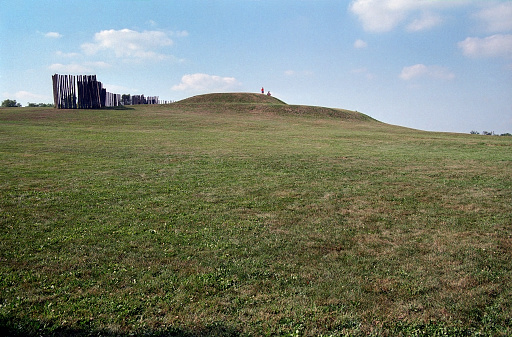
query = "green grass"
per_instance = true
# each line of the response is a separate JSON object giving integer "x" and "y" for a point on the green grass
{"x": 250, "y": 219}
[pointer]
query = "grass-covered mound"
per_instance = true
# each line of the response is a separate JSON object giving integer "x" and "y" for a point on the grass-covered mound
{"x": 263, "y": 104}
{"x": 205, "y": 220}
{"x": 241, "y": 97}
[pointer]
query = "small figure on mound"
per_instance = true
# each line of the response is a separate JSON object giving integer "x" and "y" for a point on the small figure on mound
{"x": 262, "y": 90}
{"x": 268, "y": 93}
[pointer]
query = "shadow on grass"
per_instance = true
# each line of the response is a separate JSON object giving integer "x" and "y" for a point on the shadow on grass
{"x": 121, "y": 107}
{"x": 15, "y": 327}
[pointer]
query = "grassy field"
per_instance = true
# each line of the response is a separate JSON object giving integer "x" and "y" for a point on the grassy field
{"x": 250, "y": 218}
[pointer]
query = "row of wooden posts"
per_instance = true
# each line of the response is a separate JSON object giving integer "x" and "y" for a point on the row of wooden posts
{"x": 86, "y": 92}
{"x": 81, "y": 92}
{"x": 140, "y": 99}
{"x": 64, "y": 91}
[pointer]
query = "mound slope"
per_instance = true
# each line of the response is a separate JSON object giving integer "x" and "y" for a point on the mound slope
{"x": 259, "y": 103}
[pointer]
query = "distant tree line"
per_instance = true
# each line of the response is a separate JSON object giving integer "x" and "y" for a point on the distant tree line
{"x": 10, "y": 103}
{"x": 487, "y": 133}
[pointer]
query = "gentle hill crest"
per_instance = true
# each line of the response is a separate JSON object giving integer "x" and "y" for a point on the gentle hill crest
{"x": 237, "y": 97}
{"x": 260, "y": 103}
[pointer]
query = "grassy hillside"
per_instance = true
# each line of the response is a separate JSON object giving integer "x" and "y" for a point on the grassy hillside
{"x": 239, "y": 98}
{"x": 262, "y": 104}
{"x": 247, "y": 218}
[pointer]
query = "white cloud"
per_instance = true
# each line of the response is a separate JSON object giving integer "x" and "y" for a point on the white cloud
{"x": 497, "y": 18}
{"x": 126, "y": 43}
{"x": 119, "y": 88}
{"x": 358, "y": 44}
{"x": 98, "y": 64}
{"x": 53, "y": 35}
{"x": 377, "y": 15}
{"x": 25, "y": 96}
{"x": 75, "y": 68}
{"x": 62, "y": 54}
{"x": 69, "y": 68}
{"x": 206, "y": 83}
{"x": 413, "y": 71}
{"x": 426, "y": 21}
{"x": 499, "y": 45}
{"x": 421, "y": 70}
{"x": 298, "y": 73}
{"x": 440, "y": 73}
{"x": 363, "y": 71}
{"x": 385, "y": 15}
{"x": 180, "y": 33}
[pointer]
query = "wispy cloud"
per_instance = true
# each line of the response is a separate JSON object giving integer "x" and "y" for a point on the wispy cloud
{"x": 499, "y": 45}
{"x": 359, "y": 44}
{"x": 69, "y": 68}
{"x": 206, "y": 83}
{"x": 62, "y": 54}
{"x": 180, "y": 33}
{"x": 26, "y": 96}
{"x": 363, "y": 71}
{"x": 385, "y": 15}
{"x": 53, "y": 35}
{"x": 427, "y": 20}
{"x": 421, "y": 70}
{"x": 77, "y": 68}
{"x": 298, "y": 73}
{"x": 497, "y": 18}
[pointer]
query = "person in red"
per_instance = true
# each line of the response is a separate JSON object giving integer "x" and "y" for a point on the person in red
{"x": 262, "y": 90}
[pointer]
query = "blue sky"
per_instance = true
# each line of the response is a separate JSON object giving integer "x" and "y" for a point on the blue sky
{"x": 430, "y": 65}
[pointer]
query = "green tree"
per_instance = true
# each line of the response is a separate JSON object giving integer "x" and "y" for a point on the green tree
{"x": 8, "y": 103}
